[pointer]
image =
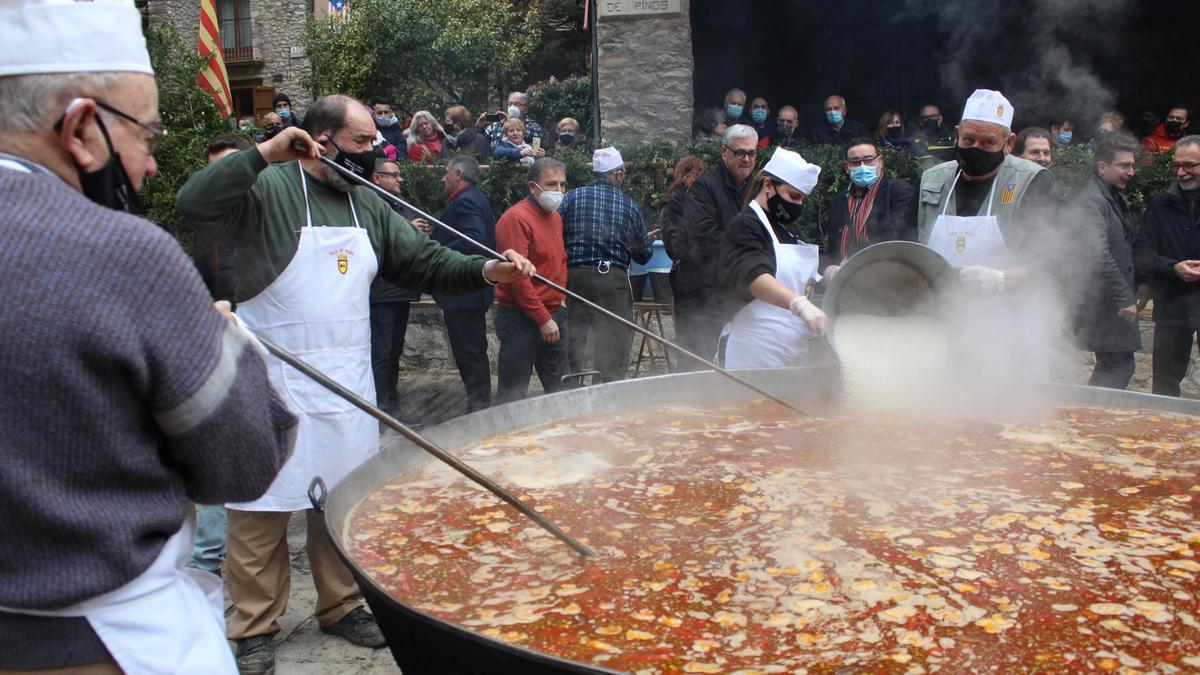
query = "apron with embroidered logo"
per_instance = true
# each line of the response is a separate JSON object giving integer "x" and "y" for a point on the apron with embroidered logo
{"x": 318, "y": 309}
{"x": 1008, "y": 324}
{"x": 762, "y": 335}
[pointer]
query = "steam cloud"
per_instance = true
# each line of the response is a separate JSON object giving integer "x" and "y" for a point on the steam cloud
{"x": 1022, "y": 44}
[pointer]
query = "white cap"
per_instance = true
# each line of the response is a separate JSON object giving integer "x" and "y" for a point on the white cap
{"x": 68, "y": 36}
{"x": 606, "y": 159}
{"x": 789, "y": 167}
{"x": 986, "y": 105}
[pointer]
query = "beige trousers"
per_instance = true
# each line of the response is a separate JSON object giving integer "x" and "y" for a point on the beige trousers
{"x": 258, "y": 572}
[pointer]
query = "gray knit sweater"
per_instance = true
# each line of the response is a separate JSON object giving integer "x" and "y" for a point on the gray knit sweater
{"x": 123, "y": 394}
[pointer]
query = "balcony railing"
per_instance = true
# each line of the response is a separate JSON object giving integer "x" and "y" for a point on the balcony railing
{"x": 240, "y": 55}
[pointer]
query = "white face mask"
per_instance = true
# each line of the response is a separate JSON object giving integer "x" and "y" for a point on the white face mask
{"x": 549, "y": 199}
{"x": 514, "y": 111}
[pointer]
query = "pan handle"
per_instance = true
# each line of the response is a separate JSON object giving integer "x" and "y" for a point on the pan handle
{"x": 317, "y": 493}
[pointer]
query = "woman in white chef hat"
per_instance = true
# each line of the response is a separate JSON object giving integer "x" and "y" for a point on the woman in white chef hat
{"x": 773, "y": 270}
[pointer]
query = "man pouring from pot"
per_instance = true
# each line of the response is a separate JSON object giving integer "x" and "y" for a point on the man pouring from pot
{"x": 983, "y": 212}
{"x": 773, "y": 270}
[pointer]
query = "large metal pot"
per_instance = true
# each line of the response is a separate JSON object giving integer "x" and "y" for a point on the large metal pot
{"x": 424, "y": 644}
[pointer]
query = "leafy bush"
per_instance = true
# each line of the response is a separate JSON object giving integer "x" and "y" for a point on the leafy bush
{"x": 191, "y": 119}
{"x": 553, "y": 100}
{"x": 422, "y": 53}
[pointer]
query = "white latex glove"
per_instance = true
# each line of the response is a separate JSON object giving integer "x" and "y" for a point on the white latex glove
{"x": 982, "y": 280}
{"x": 812, "y": 315}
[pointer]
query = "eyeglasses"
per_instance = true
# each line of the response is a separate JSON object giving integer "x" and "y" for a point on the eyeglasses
{"x": 157, "y": 132}
{"x": 742, "y": 154}
{"x": 387, "y": 173}
{"x": 930, "y": 118}
{"x": 862, "y": 160}
{"x": 1186, "y": 166}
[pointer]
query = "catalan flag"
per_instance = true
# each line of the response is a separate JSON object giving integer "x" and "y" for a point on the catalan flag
{"x": 213, "y": 77}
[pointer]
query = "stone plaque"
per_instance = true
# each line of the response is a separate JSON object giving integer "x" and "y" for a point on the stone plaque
{"x": 611, "y": 8}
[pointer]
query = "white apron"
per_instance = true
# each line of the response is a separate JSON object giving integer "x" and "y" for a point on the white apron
{"x": 762, "y": 335}
{"x": 168, "y": 620}
{"x": 1008, "y": 328}
{"x": 319, "y": 310}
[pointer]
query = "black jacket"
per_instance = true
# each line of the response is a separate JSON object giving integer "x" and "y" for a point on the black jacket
{"x": 893, "y": 217}
{"x": 471, "y": 214}
{"x": 1107, "y": 285}
{"x": 1169, "y": 234}
{"x": 824, "y": 133}
{"x": 471, "y": 141}
{"x": 713, "y": 201}
{"x": 673, "y": 223}
{"x": 748, "y": 252}
{"x": 394, "y": 135}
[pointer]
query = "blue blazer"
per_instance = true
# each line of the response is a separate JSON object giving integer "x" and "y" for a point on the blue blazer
{"x": 471, "y": 214}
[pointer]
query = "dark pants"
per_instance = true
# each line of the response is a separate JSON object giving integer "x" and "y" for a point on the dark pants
{"x": 610, "y": 341}
{"x": 697, "y": 330}
{"x": 467, "y": 329}
{"x": 389, "y": 321}
{"x": 522, "y": 350}
{"x": 1113, "y": 370}
{"x": 1172, "y": 349}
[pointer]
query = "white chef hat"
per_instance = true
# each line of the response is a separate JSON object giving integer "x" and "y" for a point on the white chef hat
{"x": 986, "y": 105}
{"x": 69, "y": 36}
{"x": 789, "y": 167}
{"x": 606, "y": 159}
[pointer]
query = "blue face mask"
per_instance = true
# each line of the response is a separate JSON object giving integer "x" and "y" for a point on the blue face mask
{"x": 834, "y": 116}
{"x": 759, "y": 116}
{"x": 864, "y": 176}
{"x": 1064, "y": 137}
{"x": 284, "y": 113}
{"x": 734, "y": 110}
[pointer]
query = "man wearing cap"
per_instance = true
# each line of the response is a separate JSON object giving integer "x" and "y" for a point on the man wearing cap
{"x": 283, "y": 108}
{"x": 603, "y": 230}
{"x": 772, "y": 271}
{"x": 308, "y": 245}
{"x": 982, "y": 212}
{"x": 129, "y": 396}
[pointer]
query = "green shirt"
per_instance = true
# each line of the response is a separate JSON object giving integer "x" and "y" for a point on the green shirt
{"x": 257, "y": 210}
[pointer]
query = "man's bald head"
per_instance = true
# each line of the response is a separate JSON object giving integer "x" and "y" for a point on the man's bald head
{"x": 835, "y": 102}
{"x": 340, "y": 124}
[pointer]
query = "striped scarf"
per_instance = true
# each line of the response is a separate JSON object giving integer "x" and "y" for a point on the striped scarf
{"x": 854, "y": 234}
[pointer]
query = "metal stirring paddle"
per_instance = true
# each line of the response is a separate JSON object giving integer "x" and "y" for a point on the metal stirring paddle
{"x": 492, "y": 253}
{"x": 428, "y": 446}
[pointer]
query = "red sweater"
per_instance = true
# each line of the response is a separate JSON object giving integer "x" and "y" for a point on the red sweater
{"x": 537, "y": 235}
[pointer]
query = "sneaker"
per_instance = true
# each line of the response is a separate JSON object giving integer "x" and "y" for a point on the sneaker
{"x": 358, "y": 627}
{"x": 256, "y": 655}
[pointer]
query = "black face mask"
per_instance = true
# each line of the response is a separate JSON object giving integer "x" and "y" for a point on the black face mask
{"x": 893, "y": 133}
{"x": 109, "y": 186}
{"x": 782, "y": 211}
{"x": 930, "y": 125}
{"x": 978, "y": 162}
{"x": 359, "y": 163}
{"x": 566, "y": 138}
{"x": 1174, "y": 127}
{"x": 785, "y": 129}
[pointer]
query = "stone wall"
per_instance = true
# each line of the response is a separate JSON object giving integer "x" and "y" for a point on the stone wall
{"x": 276, "y": 27}
{"x": 645, "y": 72}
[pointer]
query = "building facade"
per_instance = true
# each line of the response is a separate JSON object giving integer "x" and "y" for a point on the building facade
{"x": 261, "y": 41}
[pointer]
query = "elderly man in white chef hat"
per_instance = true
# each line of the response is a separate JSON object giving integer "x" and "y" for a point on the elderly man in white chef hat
{"x": 128, "y": 395}
{"x": 604, "y": 231}
{"x": 773, "y": 270}
{"x": 985, "y": 213}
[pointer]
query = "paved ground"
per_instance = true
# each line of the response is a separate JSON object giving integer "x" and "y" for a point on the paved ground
{"x": 436, "y": 396}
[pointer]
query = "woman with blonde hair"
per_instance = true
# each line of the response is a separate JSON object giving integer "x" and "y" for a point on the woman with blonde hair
{"x": 890, "y": 132}
{"x": 426, "y": 139}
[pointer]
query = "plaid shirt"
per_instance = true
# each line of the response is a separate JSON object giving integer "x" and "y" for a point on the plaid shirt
{"x": 601, "y": 223}
{"x": 495, "y": 132}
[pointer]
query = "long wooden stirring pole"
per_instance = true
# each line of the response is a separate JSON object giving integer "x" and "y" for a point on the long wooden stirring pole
{"x": 427, "y": 445}
{"x": 387, "y": 196}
